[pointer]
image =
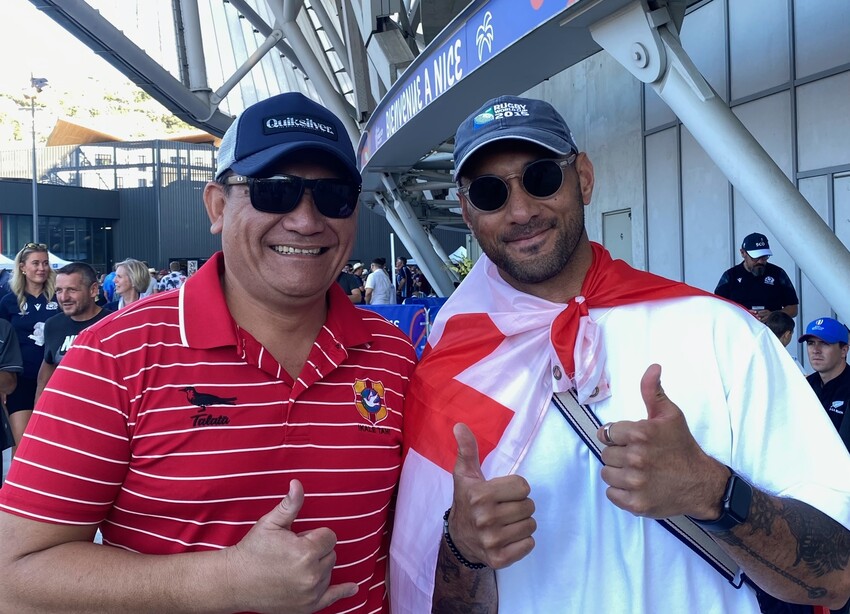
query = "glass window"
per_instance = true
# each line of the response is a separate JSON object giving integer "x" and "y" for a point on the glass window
{"x": 823, "y": 124}
{"x": 758, "y": 44}
{"x": 822, "y": 30}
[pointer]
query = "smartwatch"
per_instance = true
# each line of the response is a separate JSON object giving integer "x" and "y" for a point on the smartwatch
{"x": 735, "y": 505}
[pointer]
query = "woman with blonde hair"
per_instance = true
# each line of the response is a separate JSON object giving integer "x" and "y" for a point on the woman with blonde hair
{"x": 132, "y": 279}
{"x": 27, "y": 307}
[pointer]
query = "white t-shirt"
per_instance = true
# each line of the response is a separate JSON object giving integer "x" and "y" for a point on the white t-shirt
{"x": 746, "y": 403}
{"x": 383, "y": 292}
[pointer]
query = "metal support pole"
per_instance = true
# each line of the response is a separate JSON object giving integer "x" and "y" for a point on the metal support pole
{"x": 332, "y": 33}
{"x": 416, "y": 240}
{"x": 286, "y": 12}
{"x": 195, "y": 59}
{"x": 34, "y": 177}
{"x": 270, "y": 43}
{"x": 647, "y": 44}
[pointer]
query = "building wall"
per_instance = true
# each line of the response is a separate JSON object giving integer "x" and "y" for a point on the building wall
{"x": 76, "y": 223}
{"x": 600, "y": 100}
{"x": 783, "y": 66}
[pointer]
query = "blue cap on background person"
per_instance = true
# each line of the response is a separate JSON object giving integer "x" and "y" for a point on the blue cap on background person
{"x": 756, "y": 245}
{"x": 827, "y": 330}
{"x": 267, "y": 131}
{"x": 512, "y": 117}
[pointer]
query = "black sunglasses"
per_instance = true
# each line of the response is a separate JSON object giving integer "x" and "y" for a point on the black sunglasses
{"x": 540, "y": 179}
{"x": 42, "y": 247}
{"x": 335, "y": 198}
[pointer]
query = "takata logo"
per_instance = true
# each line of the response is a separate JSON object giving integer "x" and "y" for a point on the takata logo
{"x": 484, "y": 36}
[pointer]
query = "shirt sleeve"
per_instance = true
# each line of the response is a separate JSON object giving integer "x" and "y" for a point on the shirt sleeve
{"x": 789, "y": 294}
{"x": 722, "y": 288}
{"x": 782, "y": 439}
{"x": 10, "y": 350}
{"x": 49, "y": 355}
{"x": 5, "y": 302}
{"x": 74, "y": 456}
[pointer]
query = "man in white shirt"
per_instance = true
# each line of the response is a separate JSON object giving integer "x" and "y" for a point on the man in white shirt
{"x": 379, "y": 288}
{"x": 502, "y": 506}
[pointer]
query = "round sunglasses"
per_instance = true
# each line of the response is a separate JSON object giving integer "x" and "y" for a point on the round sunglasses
{"x": 334, "y": 198}
{"x": 540, "y": 179}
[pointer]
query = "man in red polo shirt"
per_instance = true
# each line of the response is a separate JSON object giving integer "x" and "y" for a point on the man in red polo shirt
{"x": 237, "y": 442}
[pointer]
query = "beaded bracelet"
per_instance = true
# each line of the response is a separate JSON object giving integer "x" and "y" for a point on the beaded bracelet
{"x": 454, "y": 549}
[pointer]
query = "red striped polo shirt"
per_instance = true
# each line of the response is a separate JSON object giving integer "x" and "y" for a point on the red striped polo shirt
{"x": 175, "y": 430}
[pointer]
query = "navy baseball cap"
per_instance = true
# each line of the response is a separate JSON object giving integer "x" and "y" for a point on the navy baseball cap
{"x": 512, "y": 117}
{"x": 827, "y": 330}
{"x": 756, "y": 245}
{"x": 267, "y": 131}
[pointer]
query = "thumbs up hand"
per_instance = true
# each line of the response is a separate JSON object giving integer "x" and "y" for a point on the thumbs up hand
{"x": 275, "y": 570}
{"x": 490, "y": 520}
{"x": 654, "y": 467}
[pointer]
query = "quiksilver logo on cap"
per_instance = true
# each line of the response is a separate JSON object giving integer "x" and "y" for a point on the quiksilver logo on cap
{"x": 299, "y": 123}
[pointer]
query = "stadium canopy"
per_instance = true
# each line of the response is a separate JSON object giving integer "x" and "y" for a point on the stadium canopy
{"x": 403, "y": 73}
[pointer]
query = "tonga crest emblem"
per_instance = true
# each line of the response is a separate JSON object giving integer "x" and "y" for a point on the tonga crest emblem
{"x": 369, "y": 399}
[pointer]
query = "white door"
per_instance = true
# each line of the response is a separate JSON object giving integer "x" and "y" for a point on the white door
{"x": 617, "y": 234}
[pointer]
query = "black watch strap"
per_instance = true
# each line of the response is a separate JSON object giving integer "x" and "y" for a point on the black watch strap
{"x": 735, "y": 505}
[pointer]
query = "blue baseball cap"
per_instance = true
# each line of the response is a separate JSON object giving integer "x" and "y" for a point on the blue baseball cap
{"x": 827, "y": 330}
{"x": 756, "y": 245}
{"x": 512, "y": 117}
{"x": 273, "y": 128}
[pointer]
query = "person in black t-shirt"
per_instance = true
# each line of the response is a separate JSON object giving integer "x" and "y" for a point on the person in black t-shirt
{"x": 76, "y": 293}
{"x": 403, "y": 280}
{"x": 352, "y": 284}
{"x": 826, "y": 343}
{"x": 756, "y": 284}
{"x": 11, "y": 364}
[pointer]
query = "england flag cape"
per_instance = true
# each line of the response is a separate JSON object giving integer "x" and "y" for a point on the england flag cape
{"x": 494, "y": 357}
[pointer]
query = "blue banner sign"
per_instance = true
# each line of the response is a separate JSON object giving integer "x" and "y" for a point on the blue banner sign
{"x": 488, "y": 31}
{"x": 411, "y": 319}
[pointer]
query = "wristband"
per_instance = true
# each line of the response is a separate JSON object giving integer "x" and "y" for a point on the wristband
{"x": 453, "y": 548}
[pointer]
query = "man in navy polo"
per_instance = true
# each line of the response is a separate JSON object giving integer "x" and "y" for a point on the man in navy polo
{"x": 756, "y": 284}
{"x": 826, "y": 343}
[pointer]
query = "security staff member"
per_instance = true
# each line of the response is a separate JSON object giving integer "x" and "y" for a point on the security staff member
{"x": 756, "y": 284}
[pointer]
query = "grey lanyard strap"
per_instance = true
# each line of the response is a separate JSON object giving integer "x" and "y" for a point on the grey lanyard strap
{"x": 586, "y": 424}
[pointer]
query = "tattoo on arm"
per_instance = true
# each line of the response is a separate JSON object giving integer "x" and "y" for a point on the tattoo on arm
{"x": 822, "y": 545}
{"x": 459, "y": 590}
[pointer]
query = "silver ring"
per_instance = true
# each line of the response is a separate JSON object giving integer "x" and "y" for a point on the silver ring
{"x": 606, "y": 433}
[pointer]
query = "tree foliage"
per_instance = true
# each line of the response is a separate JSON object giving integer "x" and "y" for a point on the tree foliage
{"x": 139, "y": 114}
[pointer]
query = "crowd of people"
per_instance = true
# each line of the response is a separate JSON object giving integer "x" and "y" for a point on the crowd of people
{"x": 46, "y": 308}
{"x": 579, "y": 435}
{"x": 378, "y": 287}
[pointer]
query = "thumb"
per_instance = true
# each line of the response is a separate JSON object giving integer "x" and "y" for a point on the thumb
{"x": 654, "y": 397}
{"x": 287, "y": 510}
{"x": 467, "y": 464}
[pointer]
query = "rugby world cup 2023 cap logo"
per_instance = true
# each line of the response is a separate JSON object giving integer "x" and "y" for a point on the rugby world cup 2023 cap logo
{"x": 369, "y": 399}
{"x": 503, "y": 110}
